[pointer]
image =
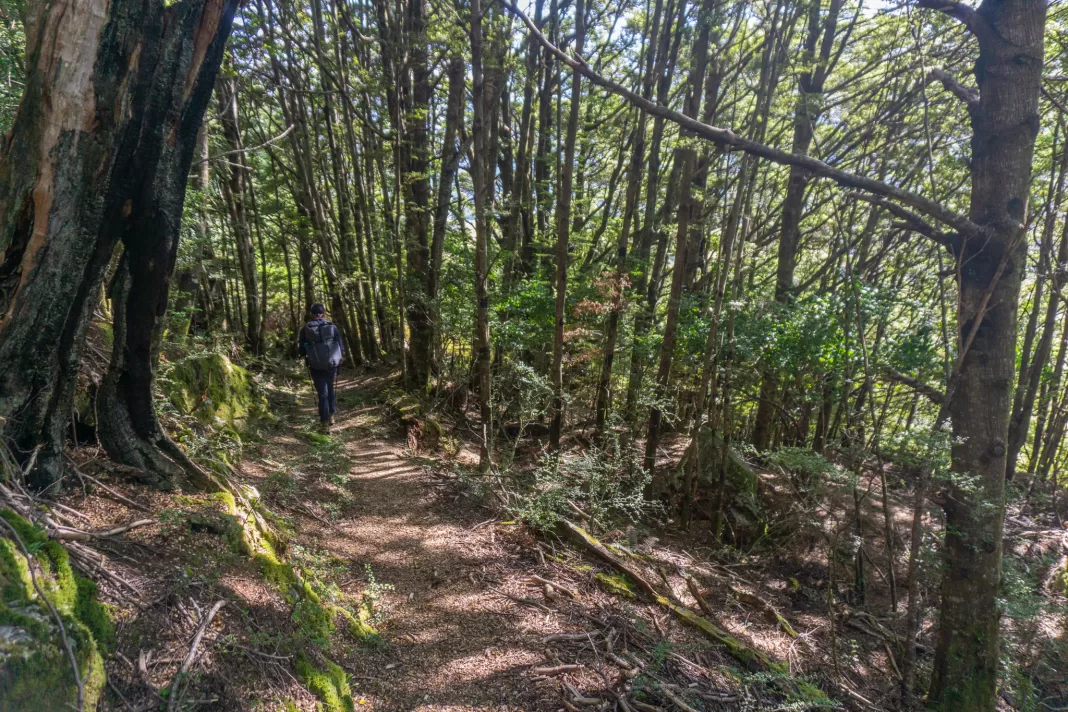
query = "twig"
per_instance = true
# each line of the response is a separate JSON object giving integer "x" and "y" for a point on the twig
{"x": 557, "y": 670}
{"x": 564, "y": 589}
{"x": 172, "y": 703}
{"x": 55, "y": 614}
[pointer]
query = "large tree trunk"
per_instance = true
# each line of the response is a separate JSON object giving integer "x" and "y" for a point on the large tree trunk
{"x": 115, "y": 94}
{"x": 1005, "y": 123}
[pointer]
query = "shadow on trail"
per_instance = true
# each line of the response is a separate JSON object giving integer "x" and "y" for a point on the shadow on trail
{"x": 449, "y": 639}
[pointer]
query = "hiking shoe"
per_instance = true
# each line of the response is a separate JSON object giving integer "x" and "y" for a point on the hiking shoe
{"x": 324, "y": 427}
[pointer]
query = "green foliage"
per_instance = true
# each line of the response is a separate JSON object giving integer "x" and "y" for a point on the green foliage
{"x": 608, "y": 485}
{"x": 802, "y": 462}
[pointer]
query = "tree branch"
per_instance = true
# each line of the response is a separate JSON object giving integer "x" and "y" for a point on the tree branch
{"x": 265, "y": 144}
{"x": 933, "y": 394}
{"x": 966, "y": 94}
{"x": 727, "y": 138}
{"x": 911, "y": 220}
{"x": 958, "y": 10}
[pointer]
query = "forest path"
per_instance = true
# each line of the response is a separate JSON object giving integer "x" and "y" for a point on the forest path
{"x": 449, "y": 640}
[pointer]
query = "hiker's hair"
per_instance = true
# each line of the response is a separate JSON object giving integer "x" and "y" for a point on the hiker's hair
{"x": 317, "y": 309}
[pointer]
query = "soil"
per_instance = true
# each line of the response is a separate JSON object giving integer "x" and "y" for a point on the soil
{"x": 463, "y": 624}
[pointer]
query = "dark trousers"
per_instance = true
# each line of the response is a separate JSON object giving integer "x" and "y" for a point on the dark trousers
{"x": 324, "y": 387}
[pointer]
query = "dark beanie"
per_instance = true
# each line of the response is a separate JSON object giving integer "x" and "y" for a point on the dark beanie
{"x": 318, "y": 309}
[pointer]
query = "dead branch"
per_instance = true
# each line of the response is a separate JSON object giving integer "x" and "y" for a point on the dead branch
{"x": 557, "y": 670}
{"x": 69, "y": 534}
{"x": 558, "y": 587}
{"x": 172, "y": 702}
{"x": 933, "y": 394}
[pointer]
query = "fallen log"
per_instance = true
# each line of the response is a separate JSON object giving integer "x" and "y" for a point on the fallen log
{"x": 753, "y": 659}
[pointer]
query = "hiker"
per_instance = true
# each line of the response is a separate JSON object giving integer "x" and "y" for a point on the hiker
{"x": 320, "y": 345}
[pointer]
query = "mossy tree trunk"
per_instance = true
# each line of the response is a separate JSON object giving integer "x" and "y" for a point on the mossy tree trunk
{"x": 115, "y": 94}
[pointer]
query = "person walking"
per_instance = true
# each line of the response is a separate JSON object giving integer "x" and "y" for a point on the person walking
{"x": 320, "y": 345}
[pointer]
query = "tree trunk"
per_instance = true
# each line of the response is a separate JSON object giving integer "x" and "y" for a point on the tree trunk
{"x": 563, "y": 233}
{"x": 114, "y": 98}
{"x": 481, "y": 165}
{"x": 236, "y": 195}
{"x": 806, "y": 114}
{"x": 1005, "y": 123}
{"x": 416, "y": 183}
{"x": 685, "y": 157}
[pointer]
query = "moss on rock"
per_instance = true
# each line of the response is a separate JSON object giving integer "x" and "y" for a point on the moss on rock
{"x": 216, "y": 391}
{"x": 35, "y": 672}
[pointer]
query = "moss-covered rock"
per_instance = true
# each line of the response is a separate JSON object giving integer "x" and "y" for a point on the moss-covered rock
{"x": 744, "y": 511}
{"x": 35, "y": 672}
{"x": 218, "y": 392}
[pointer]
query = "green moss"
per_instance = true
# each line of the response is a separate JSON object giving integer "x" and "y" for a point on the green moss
{"x": 219, "y": 393}
{"x": 358, "y": 626}
{"x": 35, "y": 672}
{"x": 331, "y": 685}
{"x": 618, "y": 584}
{"x": 94, "y": 615}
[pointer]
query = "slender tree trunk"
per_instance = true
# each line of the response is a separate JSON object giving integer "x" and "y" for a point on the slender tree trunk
{"x": 481, "y": 166}
{"x": 686, "y": 157}
{"x": 807, "y": 112}
{"x": 236, "y": 195}
{"x": 563, "y": 233}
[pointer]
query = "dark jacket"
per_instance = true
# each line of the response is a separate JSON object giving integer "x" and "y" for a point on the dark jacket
{"x": 328, "y": 332}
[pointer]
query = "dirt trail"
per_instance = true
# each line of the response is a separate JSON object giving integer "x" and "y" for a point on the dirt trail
{"x": 449, "y": 641}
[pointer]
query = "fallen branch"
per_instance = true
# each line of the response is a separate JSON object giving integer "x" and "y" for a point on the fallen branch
{"x": 172, "y": 701}
{"x": 675, "y": 699}
{"x": 752, "y": 658}
{"x": 69, "y": 534}
{"x": 557, "y": 587}
{"x": 769, "y": 611}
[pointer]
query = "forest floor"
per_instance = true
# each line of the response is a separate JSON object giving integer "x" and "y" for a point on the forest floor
{"x": 465, "y": 620}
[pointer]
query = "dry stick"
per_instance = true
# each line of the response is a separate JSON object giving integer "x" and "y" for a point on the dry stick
{"x": 121, "y": 497}
{"x": 675, "y": 699}
{"x": 570, "y": 592}
{"x": 69, "y": 534}
{"x": 55, "y": 614}
{"x": 172, "y": 703}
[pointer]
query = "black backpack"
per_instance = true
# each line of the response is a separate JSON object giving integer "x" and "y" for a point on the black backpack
{"x": 323, "y": 347}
